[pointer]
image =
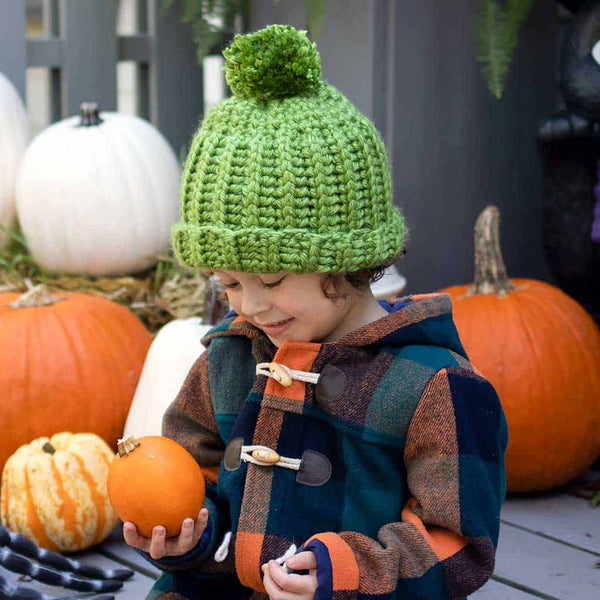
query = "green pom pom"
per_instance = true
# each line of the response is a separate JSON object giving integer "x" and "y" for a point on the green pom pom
{"x": 275, "y": 62}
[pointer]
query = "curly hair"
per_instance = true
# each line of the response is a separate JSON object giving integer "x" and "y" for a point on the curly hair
{"x": 359, "y": 280}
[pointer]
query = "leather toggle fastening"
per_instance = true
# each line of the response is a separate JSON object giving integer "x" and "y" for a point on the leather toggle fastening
{"x": 332, "y": 383}
{"x": 313, "y": 468}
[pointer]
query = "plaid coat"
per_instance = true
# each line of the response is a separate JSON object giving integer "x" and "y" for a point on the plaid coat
{"x": 400, "y": 446}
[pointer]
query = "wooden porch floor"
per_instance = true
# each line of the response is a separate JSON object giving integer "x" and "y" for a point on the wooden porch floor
{"x": 549, "y": 548}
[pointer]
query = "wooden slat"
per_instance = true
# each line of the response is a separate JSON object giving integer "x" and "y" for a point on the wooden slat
{"x": 13, "y": 56}
{"x": 135, "y": 588}
{"x": 563, "y": 517}
{"x": 44, "y": 53}
{"x": 494, "y": 590}
{"x": 134, "y": 47}
{"x": 176, "y": 94}
{"x": 90, "y": 54}
{"x": 550, "y": 567}
{"x": 114, "y": 547}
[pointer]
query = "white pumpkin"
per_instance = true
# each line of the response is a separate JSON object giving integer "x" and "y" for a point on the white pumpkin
{"x": 98, "y": 195}
{"x": 171, "y": 355}
{"x": 14, "y": 137}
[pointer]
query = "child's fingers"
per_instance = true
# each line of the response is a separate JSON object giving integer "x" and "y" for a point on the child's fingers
{"x": 200, "y": 524}
{"x": 133, "y": 538}
{"x": 302, "y": 561}
{"x": 272, "y": 589}
{"x": 157, "y": 543}
{"x": 184, "y": 541}
{"x": 189, "y": 534}
{"x": 291, "y": 582}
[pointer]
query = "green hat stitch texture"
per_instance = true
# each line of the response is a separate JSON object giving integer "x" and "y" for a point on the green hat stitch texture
{"x": 286, "y": 175}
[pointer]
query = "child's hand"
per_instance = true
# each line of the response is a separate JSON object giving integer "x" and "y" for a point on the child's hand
{"x": 281, "y": 585}
{"x": 159, "y": 546}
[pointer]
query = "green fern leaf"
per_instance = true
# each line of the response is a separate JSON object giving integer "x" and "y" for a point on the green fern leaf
{"x": 517, "y": 11}
{"x": 490, "y": 31}
{"x": 496, "y": 35}
{"x": 315, "y": 17}
{"x": 207, "y": 20}
{"x": 192, "y": 9}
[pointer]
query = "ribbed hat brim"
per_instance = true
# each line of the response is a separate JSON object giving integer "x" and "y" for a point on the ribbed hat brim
{"x": 256, "y": 250}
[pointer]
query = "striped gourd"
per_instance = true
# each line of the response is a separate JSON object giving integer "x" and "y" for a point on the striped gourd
{"x": 54, "y": 491}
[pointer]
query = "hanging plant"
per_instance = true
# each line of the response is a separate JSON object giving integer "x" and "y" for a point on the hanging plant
{"x": 209, "y": 20}
{"x": 496, "y": 34}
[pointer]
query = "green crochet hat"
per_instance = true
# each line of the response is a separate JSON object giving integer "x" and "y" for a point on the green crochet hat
{"x": 286, "y": 175}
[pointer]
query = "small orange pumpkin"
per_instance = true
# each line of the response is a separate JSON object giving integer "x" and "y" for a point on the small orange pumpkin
{"x": 541, "y": 351}
{"x": 155, "y": 481}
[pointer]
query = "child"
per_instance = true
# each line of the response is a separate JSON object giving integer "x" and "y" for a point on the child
{"x": 349, "y": 448}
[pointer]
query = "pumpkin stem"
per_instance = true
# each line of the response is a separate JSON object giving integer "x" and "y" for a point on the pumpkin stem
{"x": 49, "y": 448}
{"x": 90, "y": 115}
{"x": 127, "y": 445}
{"x": 490, "y": 272}
{"x": 35, "y": 297}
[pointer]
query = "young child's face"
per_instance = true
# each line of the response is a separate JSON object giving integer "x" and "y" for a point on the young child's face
{"x": 287, "y": 306}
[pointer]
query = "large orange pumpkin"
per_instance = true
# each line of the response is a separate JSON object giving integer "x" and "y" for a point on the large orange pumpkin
{"x": 155, "y": 481}
{"x": 541, "y": 351}
{"x": 67, "y": 362}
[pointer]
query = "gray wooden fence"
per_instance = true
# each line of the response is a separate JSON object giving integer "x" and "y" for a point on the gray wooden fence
{"x": 411, "y": 66}
{"x": 81, "y": 49}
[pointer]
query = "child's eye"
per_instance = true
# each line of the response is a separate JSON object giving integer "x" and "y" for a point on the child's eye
{"x": 274, "y": 284}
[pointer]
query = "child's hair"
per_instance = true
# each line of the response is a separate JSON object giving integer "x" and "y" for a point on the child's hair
{"x": 360, "y": 280}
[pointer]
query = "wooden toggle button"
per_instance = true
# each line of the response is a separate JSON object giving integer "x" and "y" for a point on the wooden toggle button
{"x": 266, "y": 455}
{"x": 280, "y": 374}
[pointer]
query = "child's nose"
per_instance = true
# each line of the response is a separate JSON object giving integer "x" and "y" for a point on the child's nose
{"x": 254, "y": 304}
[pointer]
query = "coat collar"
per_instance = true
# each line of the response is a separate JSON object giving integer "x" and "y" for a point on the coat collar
{"x": 419, "y": 319}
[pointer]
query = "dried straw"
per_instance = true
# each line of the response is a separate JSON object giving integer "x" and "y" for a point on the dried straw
{"x": 167, "y": 291}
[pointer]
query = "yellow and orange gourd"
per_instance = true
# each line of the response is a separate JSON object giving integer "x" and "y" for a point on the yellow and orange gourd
{"x": 54, "y": 492}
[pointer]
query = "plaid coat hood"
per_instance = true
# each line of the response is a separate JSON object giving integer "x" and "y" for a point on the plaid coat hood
{"x": 398, "y": 450}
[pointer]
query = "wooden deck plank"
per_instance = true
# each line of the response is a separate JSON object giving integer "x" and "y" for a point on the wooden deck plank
{"x": 495, "y": 590}
{"x": 548, "y": 549}
{"x": 135, "y": 588}
{"x": 549, "y": 567}
{"x": 114, "y": 547}
{"x": 559, "y": 516}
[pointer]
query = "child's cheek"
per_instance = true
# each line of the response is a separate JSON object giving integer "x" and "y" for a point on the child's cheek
{"x": 234, "y": 302}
